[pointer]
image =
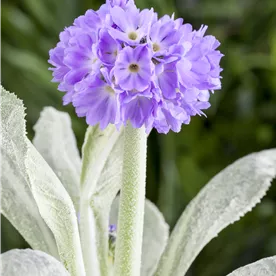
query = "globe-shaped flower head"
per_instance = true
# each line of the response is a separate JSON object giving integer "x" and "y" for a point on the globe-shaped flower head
{"x": 121, "y": 64}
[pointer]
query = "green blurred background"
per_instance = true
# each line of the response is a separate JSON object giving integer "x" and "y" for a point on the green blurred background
{"x": 242, "y": 118}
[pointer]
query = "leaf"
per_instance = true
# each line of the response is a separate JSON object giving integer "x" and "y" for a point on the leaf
{"x": 54, "y": 203}
{"x": 263, "y": 267}
{"x": 100, "y": 182}
{"x": 30, "y": 263}
{"x": 155, "y": 235}
{"x": 18, "y": 204}
{"x": 57, "y": 209}
{"x": 56, "y": 142}
{"x": 227, "y": 197}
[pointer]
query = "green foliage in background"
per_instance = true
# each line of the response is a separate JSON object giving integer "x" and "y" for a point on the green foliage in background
{"x": 242, "y": 118}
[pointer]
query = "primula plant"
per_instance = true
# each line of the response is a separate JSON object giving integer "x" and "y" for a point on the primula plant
{"x": 126, "y": 72}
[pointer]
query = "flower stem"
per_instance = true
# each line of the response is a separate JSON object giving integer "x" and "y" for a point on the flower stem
{"x": 88, "y": 239}
{"x": 132, "y": 200}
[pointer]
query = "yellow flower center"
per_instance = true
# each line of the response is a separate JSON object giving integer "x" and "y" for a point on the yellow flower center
{"x": 132, "y": 35}
{"x": 155, "y": 47}
{"x": 134, "y": 68}
{"x": 109, "y": 89}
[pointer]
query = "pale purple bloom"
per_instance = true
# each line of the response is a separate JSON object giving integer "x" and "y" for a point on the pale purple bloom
{"x": 121, "y": 64}
{"x": 137, "y": 110}
{"x": 131, "y": 25}
{"x": 167, "y": 78}
{"x": 96, "y": 99}
{"x": 164, "y": 34}
{"x": 133, "y": 68}
{"x": 108, "y": 48}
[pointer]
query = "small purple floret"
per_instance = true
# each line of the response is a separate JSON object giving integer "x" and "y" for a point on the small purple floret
{"x": 112, "y": 228}
{"x": 121, "y": 64}
{"x": 133, "y": 70}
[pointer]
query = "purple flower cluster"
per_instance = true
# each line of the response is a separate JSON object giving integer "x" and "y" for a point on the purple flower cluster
{"x": 122, "y": 64}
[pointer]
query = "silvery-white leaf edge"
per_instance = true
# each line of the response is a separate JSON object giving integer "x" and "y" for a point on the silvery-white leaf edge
{"x": 56, "y": 142}
{"x": 28, "y": 262}
{"x": 263, "y": 267}
{"x": 228, "y": 196}
{"x": 17, "y": 202}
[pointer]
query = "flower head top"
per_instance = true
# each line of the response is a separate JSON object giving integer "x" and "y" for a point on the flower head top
{"x": 122, "y": 64}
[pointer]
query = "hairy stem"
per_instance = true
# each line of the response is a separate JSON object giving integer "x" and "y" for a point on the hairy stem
{"x": 132, "y": 200}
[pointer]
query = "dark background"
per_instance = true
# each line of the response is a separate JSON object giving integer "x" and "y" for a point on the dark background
{"x": 242, "y": 118}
